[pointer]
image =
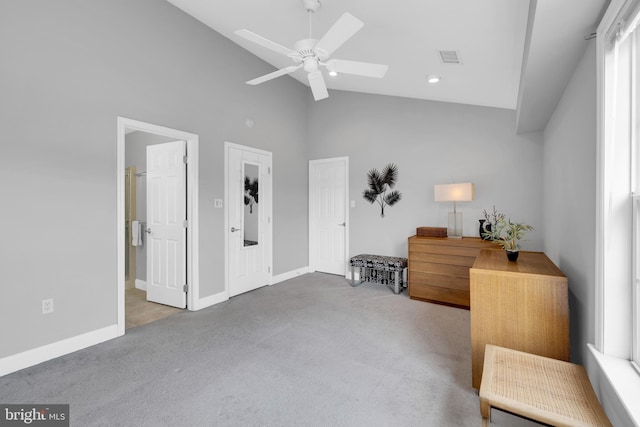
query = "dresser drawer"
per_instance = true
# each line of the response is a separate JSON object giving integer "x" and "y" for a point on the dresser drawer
{"x": 466, "y": 261}
{"x": 439, "y": 280}
{"x": 437, "y": 268}
{"x": 435, "y": 248}
{"x": 448, "y": 296}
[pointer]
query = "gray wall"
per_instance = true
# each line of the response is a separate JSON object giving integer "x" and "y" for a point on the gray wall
{"x": 431, "y": 143}
{"x": 68, "y": 69}
{"x": 569, "y": 182}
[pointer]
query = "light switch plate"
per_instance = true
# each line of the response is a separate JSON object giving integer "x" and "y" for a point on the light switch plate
{"x": 47, "y": 306}
{"x": 217, "y": 203}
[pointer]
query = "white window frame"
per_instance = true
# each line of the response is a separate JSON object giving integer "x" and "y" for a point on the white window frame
{"x": 617, "y": 217}
{"x": 613, "y": 239}
{"x": 635, "y": 329}
{"x": 635, "y": 192}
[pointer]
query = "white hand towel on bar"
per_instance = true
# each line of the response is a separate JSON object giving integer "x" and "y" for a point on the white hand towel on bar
{"x": 135, "y": 233}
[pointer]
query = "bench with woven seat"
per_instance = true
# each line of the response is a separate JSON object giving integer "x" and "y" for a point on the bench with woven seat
{"x": 379, "y": 269}
{"x": 547, "y": 390}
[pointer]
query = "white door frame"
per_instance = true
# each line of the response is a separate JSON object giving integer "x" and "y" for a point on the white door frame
{"x": 193, "y": 255}
{"x": 312, "y": 255}
{"x": 269, "y": 259}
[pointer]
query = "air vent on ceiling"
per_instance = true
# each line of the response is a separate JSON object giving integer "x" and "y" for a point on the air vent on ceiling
{"x": 449, "y": 57}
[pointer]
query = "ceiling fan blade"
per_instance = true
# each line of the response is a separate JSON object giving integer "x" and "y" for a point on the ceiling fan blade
{"x": 342, "y": 30}
{"x": 318, "y": 86}
{"x": 358, "y": 68}
{"x": 246, "y": 34}
{"x": 277, "y": 73}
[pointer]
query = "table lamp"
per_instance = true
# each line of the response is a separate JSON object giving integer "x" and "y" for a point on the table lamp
{"x": 460, "y": 192}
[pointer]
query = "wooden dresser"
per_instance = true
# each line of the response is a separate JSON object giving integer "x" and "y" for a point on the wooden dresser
{"x": 520, "y": 305}
{"x": 439, "y": 268}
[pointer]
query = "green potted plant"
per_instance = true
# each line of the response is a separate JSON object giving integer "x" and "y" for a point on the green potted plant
{"x": 504, "y": 232}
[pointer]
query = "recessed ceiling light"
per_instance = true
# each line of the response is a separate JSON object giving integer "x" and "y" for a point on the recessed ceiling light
{"x": 432, "y": 78}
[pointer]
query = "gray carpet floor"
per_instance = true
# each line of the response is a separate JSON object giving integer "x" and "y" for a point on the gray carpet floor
{"x": 311, "y": 351}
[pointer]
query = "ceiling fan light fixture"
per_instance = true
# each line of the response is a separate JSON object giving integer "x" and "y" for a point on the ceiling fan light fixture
{"x": 310, "y": 64}
{"x": 333, "y": 73}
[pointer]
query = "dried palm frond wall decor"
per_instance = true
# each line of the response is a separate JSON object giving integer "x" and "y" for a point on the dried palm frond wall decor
{"x": 379, "y": 183}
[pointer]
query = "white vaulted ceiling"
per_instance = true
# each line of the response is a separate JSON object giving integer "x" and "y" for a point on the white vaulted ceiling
{"x": 514, "y": 53}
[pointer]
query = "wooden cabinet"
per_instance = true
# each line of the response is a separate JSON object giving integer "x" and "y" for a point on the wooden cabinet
{"x": 520, "y": 305}
{"x": 439, "y": 268}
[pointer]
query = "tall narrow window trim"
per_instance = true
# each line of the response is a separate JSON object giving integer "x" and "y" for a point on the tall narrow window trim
{"x": 633, "y": 44}
{"x": 636, "y": 283}
{"x": 621, "y": 185}
{"x": 617, "y": 269}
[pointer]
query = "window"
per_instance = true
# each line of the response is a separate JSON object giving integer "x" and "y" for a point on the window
{"x": 617, "y": 331}
{"x": 619, "y": 182}
{"x": 631, "y": 48}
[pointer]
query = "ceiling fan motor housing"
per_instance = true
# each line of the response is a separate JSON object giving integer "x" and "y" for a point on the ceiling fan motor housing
{"x": 308, "y": 55}
{"x": 304, "y": 47}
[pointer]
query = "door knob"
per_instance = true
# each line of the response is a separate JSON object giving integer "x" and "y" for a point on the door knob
{"x": 233, "y": 229}
{"x": 344, "y": 224}
{"x": 148, "y": 230}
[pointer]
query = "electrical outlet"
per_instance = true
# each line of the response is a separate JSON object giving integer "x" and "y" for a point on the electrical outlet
{"x": 47, "y": 306}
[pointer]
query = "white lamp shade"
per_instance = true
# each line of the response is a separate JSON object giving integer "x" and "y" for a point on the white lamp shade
{"x": 461, "y": 192}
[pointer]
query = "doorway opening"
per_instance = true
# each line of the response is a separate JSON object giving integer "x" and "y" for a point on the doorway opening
{"x": 138, "y": 311}
{"x": 141, "y": 246}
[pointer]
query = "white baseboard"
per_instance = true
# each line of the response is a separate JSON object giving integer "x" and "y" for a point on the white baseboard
{"x": 289, "y": 275}
{"x": 224, "y": 295}
{"x": 210, "y": 300}
{"x": 32, "y": 357}
{"x": 141, "y": 284}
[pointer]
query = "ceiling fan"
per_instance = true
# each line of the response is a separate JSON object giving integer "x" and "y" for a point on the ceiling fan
{"x": 311, "y": 53}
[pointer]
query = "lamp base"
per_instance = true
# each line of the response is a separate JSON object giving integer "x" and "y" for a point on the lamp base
{"x": 454, "y": 229}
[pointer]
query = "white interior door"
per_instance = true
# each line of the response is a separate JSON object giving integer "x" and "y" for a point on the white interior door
{"x": 328, "y": 215}
{"x": 248, "y": 218}
{"x": 166, "y": 221}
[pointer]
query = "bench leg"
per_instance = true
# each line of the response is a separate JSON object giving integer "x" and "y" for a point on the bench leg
{"x": 396, "y": 288}
{"x": 353, "y": 279}
{"x": 485, "y": 411}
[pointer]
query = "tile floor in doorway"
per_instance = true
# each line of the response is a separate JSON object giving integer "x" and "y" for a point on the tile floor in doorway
{"x": 139, "y": 311}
